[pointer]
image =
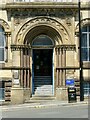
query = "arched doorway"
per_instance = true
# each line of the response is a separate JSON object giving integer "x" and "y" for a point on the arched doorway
{"x": 42, "y": 68}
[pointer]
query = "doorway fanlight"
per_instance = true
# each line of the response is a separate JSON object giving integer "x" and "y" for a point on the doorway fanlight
{"x": 42, "y": 40}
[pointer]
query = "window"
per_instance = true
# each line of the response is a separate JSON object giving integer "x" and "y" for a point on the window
{"x": 85, "y": 43}
{"x": 86, "y": 88}
{"x": 42, "y": 40}
{"x": 2, "y": 45}
{"x": 2, "y": 88}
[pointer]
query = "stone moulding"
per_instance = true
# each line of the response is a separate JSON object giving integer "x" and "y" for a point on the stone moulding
{"x": 48, "y": 21}
{"x": 84, "y": 22}
{"x": 66, "y": 47}
{"x": 5, "y": 25}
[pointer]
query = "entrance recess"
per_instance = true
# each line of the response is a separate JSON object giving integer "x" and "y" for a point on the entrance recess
{"x": 42, "y": 66}
{"x": 42, "y": 62}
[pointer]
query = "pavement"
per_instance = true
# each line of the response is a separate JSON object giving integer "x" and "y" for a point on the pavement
{"x": 42, "y": 104}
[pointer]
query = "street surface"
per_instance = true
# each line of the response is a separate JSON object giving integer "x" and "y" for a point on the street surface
{"x": 73, "y": 111}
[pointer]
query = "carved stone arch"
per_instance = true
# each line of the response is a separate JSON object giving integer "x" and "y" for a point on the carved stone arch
{"x": 58, "y": 26}
{"x": 5, "y": 25}
{"x": 55, "y": 35}
{"x": 84, "y": 22}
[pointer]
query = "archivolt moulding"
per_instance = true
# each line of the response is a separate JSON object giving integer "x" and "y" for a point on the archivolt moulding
{"x": 84, "y": 22}
{"x": 5, "y": 25}
{"x": 48, "y": 21}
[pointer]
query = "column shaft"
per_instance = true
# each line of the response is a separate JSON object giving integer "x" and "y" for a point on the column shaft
{"x": 21, "y": 65}
{"x": 64, "y": 65}
{"x": 24, "y": 66}
{"x": 57, "y": 72}
{"x": 60, "y": 74}
{"x": 28, "y": 65}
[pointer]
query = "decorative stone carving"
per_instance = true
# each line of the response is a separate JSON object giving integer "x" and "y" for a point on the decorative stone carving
{"x": 22, "y": 14}
{"x": 83, "y": 23}
{"x": 5, "y": 25}
{"x": 44, "y": 21}
{"x": 68, "y": 21}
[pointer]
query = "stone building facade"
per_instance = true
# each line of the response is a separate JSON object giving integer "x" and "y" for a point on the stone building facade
{"x": 39, "y": 49}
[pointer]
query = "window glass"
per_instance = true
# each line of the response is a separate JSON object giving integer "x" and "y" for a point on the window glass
{"x": 85, "y": 43}
{"x": 1, "y": 29}
{"x": 2, "y": 86}
{"x": 42, "y": 40}
{"x": 86, "y": 88}
{"x": 89, "y": 39}
{"x": 84, "y": 29}
{"x": 89, "y": 28}
{"x": 89, "y": 54}
{"x": 84, "y": 54}
{"x": 84, "y": 40}
{"x": 1, "y": 54}
{"x": 2, "y": 44}
{"x": 2, "y": 40}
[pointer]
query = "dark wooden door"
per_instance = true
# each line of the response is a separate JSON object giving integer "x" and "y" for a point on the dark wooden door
{"x": 42, "y": 62}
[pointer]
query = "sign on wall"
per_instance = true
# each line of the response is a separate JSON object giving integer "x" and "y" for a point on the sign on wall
{"x": 70, "y": 82}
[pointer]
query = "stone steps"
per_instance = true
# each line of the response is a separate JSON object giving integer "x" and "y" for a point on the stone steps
{"x": 42, "y": 85}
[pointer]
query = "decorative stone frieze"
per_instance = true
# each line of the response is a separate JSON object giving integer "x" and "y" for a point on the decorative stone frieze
{"x": 19, "y": 47}
{"x": 66, "y": 47}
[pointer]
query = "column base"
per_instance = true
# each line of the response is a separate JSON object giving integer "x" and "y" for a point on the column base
{"x": 19, "y": 95}
{"x": 62, "y": 94}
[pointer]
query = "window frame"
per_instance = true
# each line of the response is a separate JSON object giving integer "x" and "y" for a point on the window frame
{"x": 2, "y": 34}
{"x": 86, "y": 87}
{"x": 87, "y": 33}
{"x": 2, "y": 89}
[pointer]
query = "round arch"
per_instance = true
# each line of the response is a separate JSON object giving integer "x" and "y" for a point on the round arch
{"x": 4, "y": 25}
{"x": 84, "y": 22}
{"x": 42, "y": 40}
{"x": 45, "y": 30}
{"x": 61, "y": 35}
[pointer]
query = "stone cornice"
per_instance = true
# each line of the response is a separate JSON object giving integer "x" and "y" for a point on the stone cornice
{"x": 41, "y": 5}
{"x": 54, "y": 5}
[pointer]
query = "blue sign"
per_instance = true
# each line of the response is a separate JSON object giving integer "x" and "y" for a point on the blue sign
{"x": 70, "y": 82}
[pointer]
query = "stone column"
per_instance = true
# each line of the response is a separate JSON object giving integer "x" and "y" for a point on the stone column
{"x": 12, "y": 30}
{"x": 21, "y": 64}
{"x": 57, "y": 63}
{"x": 28, "y": 71}
{"x": 60, "y": 65}
{"x": 64, "y": 65}
{"x": 25, "y": 62}
{"x": 61, "y": 91}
